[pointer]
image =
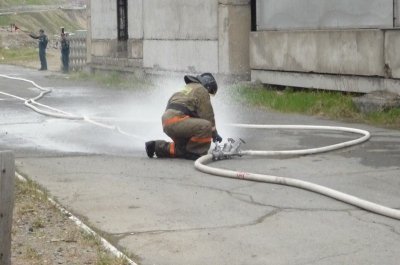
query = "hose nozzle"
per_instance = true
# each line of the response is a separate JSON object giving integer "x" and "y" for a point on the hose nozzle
{"x": 227, "y": 150}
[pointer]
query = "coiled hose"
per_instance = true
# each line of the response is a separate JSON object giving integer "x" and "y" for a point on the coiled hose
{"x": 201, "y": 164}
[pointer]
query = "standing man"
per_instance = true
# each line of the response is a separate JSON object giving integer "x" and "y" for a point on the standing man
{"x": 43, "y": 40}
{"x": 65, "y": 52}
{"x": 188, "y": 120}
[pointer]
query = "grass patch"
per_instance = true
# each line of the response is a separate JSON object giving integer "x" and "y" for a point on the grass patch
{"x": 42, "y": 216}
{"x": 329, "y": 104}
{"x": 8, "y": 3}
{"x": 20, "y": 54}
{"x": 103, "y": 257}
{"x": 50, "y": 21}
{"x": 115, "y": 80}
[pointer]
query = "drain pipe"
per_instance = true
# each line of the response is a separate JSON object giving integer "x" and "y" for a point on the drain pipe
{"x": 201, "y": 164}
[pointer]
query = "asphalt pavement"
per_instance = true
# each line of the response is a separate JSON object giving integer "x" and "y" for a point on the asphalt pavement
{"x": 164, "y": 211}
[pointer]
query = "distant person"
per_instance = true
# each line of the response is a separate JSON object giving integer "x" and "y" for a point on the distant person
{"x": 64, "y": 44}
{"x": 43, "y": 40}
{"x": 188, "y": 120}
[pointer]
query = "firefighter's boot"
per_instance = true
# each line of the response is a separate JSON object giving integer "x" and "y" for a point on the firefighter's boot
{"x": 150, "y": 148}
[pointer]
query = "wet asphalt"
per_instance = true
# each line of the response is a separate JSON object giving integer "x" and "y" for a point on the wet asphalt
{"x": 164, "y": 211}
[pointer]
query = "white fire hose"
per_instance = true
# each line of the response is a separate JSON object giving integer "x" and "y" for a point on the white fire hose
{"x": 56, "y": 113}
{"x": 201, "y": 163}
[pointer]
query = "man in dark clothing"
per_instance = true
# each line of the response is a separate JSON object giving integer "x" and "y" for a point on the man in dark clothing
{"x": 43, "y": 40}
{"x": 188, "y": 120}
{"x": 65, "y": 52}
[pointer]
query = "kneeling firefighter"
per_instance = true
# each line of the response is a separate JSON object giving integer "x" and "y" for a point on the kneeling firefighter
{"x": 188, "y": 120}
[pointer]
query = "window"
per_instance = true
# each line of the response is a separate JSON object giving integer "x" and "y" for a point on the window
{"x": 122, "y": 16}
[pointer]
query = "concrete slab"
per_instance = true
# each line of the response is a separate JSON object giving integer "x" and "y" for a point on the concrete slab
{"x": 181, "y": 55}
{"x": 350, "y": 52}
{"x": 166, "y": 212}
{"x": 322, "y": 14}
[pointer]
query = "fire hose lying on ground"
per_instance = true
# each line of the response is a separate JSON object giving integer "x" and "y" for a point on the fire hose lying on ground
{"x": 232, "y": 149}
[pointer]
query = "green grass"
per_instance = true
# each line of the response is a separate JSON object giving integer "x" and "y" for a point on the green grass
{"x": 8, "y": 3}
{"x": 21, "y": 54}
{"x": 329, "y": 104}
{"x": 115, "y": 80}
{"x": 50, "y": 21}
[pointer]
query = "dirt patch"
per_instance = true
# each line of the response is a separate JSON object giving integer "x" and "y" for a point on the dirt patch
{"x": 41, "y": 234}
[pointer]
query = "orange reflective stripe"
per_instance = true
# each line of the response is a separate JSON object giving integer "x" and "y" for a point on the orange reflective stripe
{"x": 174, "y": 120}
{"x": 201, "y": 140}
{"x": 172, "y": 149}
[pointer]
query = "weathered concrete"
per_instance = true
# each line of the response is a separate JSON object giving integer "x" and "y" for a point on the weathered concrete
{"x": 103, "y": 19}
{"x": 353, "y": 52}
{"x": 392, "y": 55}
{"x": 135, "y": 19}
{"x": 177, "y": 35}
{"x": 213, "y": 36}
{"x": 106, "y": 48}
{"x": 180, "y": 19}
{"x": 190, "y": 55}
{"x": 234, "y": 29}
{"x": 135, "y": 48}
{"x": 396, "y": 13}
{"x": 356, "y": 84}
{"x": 319, "y": 14}
{"x": 377, "y": 101}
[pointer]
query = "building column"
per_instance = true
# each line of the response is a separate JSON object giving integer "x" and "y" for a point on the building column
{"x": 234, "y": 24}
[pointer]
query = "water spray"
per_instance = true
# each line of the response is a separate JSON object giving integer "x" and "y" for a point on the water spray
{"x": 57, "y": 113}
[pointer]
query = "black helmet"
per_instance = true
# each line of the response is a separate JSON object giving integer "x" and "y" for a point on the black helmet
{"x": 191, "y": 79}
{"x": 206, "y": 79}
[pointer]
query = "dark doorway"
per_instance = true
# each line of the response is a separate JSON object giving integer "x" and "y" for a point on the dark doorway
{"x": 122, "y": 17}
{"x": 253, "y": 6}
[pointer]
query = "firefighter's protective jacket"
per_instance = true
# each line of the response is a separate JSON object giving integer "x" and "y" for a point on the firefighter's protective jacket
{"x": 196, "y": 99}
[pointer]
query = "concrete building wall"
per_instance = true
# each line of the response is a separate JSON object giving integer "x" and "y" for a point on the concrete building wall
{"x": 177, "y": 35}
{"x": 323, "y": 14}
{"x": 135, "y": 19}
{"x": 234, "y": 28}
{"x": 103, "y": 19}
{"x": 346, "y": 45}
{"x": 184, "y": 37}
{"x": 392, "y": 55}
{"x": 184, "y": 55}
{"x": 341, "y": 44}
{"x": 354, "y": 52}
{"x": 135, "y": 29}
{"x": 180, "y": 19}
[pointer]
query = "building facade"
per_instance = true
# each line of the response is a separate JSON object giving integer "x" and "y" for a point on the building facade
{"x": 348, "y": 45}
{"x": 170, "y": 35}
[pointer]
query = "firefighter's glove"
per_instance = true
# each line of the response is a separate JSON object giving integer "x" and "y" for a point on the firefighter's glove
{"x": 216, "y": 137}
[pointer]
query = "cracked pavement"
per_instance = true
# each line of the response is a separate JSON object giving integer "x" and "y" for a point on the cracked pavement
{"x": 163, "y": 211}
